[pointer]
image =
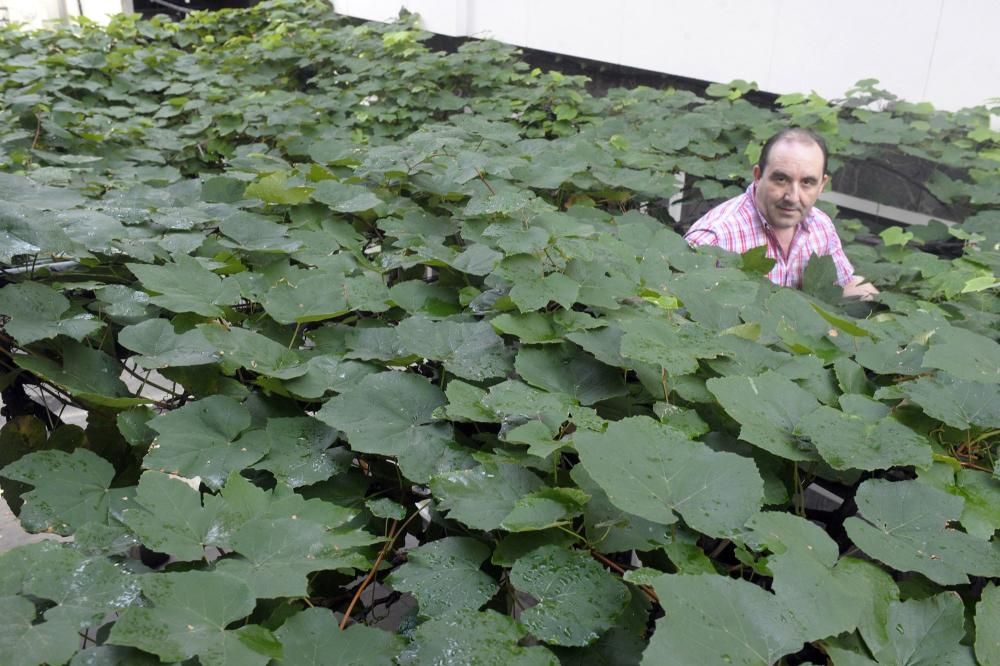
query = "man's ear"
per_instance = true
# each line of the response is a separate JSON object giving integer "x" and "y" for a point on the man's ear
{"x": 822, "y": 183}
{"x": 756, "y": 172}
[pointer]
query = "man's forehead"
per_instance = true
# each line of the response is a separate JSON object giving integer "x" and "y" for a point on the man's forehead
{"x": 798, "y": 151}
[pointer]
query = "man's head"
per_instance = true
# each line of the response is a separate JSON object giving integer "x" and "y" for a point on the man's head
{"x": 790, "y": 175}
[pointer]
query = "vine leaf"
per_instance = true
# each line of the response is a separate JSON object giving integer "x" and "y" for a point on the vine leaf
{"x": 312, "y": 638}
{"x": 83, "y": 588}
{"x": 545, "y": 508}
{"x": 717, "y": 620}
{"x": 253, "y": 351}
{"x": 988, "y": 626}
{"x": 486, "y": 638}
{"x": 189, "y": 615}
{"x": 801, "y": 561}
{"x": 167, "y": 515}
{"x": 38, "y": 312}
{"x": 200, "y": 440}
{"x": 673, "y": 347}
{"x": 905, "y": 525}
{"x": 876, "y": 590}
{"x": 611, "y": 530}
{"x": 470, "y": 350}
{"x": 980, "y": 490}
{"x": 959, "y": 403}
{"x": 768, "y": 407}
{"x": 159, "y": 346}
{"x": 392, "y": 414}
{"x": 577, "y": 599}
{"x": 927, "y": 631}
{"x": 852, "y": 441}
{"x": 324, "y": 294}
{"x": 344, "y": 197}
{"x": 445, "y": 576}
{"x": 655, "y": 472}
{"x": 483, "y": 497}
{"x": 24, "y": 643}
{"x": 277, "y": 554}
{"x": 565, "y": 369}
{"x": 88, "y": 374}
{"x": 298, "y": 450}
{"x": 965, "y": 355}
{"x": 70, "y": 489}
{"x": 186, "y": 286}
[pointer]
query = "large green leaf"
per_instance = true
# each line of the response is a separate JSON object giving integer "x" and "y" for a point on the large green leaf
{"x": 312, "y": 638}
{"x": 565, "y": 369}
{"x": 927, "y": 631}
{"x": 611, "y": 530}
{"x": 653, "y": 471}
{"x": 445, "y": 576}
{"x": 577, "y": 599}
{"x": 487, "y": 638}
{"x": 768, "y": 407}
{"x": 253, "y": 351}
{"x": 24, "y": 643}
{"x": 471, "y": 350}
{"x": 70, "y": 489}
{"x": 86, "y": 373}
{"x": 298, "y": 450}
{"x": 717, "y": 620}
{"x": 958, "y": 403}
{"x": 159, "y": 346}
{"x": 344, "y": 197}
{"x": 84, "y": 588}
{"x": 674, "y": 347}
{"x": 988, "y": 626}
{"x": 851, "y": 441}
{"x": 201, "y": 439}
{"x": 482, "y": 497}
{"x": 186, "y": 286}
{"x": 278, "y": 554}
{"x": 801, "y": 561}
{"x": 188, "y": 616}
{"x": 167, "y": 515}
{"x": 37, "y": 312}
{"x": 905, "y": 525}
{"x": 965, "y": 355}
{"x": 317, "y": 295}
{"x": 391, "y": 413}
{"x": 979, "y": 489}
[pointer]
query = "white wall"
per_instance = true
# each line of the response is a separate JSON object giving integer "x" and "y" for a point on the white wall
{"x": 942, "y": 51}
{"x": 36, "y": 13}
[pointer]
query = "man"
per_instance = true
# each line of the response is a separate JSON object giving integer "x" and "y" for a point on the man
{"x": 777, "y": 211}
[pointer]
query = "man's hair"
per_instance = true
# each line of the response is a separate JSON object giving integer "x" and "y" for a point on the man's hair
{"x": 792, "y": 134}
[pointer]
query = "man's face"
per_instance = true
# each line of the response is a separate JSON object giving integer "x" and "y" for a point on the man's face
{"x": 790, "y": 183}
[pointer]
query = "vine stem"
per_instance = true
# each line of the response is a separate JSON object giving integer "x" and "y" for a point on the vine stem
{"x": 38, "y": 131}
{"x": 482, "y": 177}
{"x": 392, "y": 536}
{"x": 648, "y": 591}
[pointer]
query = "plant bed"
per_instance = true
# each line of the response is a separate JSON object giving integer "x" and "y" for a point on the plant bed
{"x": 450, "y": 386}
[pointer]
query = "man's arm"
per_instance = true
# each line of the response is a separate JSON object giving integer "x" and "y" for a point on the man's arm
{"x": 856, "y": 287}
{"x": 701, "y": 237}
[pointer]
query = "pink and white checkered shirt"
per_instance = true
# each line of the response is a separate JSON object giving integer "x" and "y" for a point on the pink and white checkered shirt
{"x": 737, "y": 226}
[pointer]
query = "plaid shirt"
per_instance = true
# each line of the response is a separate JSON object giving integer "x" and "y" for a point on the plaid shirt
{"x": 737, "y": 226}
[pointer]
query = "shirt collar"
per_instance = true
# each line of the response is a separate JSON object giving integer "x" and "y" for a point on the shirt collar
{"x": 759, "y": 216}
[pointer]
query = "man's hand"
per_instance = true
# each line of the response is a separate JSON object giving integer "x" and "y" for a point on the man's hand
{"x": 858, "y": 288}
